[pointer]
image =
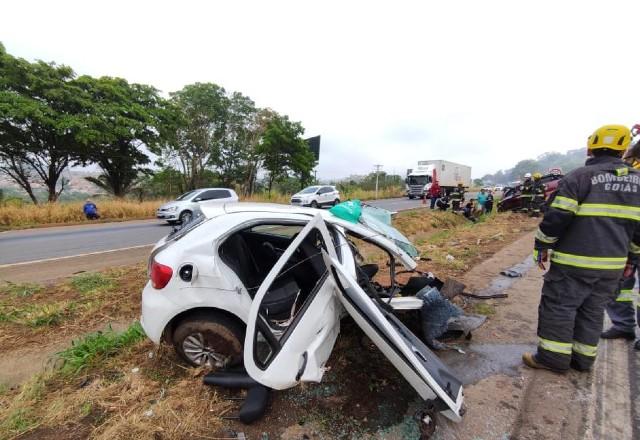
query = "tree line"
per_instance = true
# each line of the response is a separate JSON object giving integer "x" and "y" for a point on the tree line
{"x": 568, "y": 161}
{"x": 52, "y": 119}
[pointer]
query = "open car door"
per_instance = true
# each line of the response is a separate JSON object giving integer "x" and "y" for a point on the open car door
{"x": 282, "y": 349}
{"x": 433, "y": 381}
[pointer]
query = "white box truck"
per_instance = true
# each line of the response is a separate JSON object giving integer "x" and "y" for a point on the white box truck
{"x": 448, "y": 175}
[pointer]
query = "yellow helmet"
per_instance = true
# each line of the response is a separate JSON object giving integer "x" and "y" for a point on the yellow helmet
{"x": 614, "y": 137}
{"x": 537, "y": 176}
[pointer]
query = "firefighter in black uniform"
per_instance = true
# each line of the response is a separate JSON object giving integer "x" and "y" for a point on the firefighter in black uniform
{"x": 624, "y": 315}
{"x": 457, "y": 197}
{"x": 537, "y": 195}
{"x": 526, "y": 193}
{"x": 591, "y": 224}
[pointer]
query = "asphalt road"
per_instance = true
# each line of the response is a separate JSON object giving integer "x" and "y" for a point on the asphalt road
{"x": 31, "y": 245}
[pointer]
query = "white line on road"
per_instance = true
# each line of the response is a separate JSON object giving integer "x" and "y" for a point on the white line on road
{"x": 22, "y": 263}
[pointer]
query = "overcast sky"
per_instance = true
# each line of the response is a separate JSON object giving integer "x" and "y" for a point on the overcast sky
{"x": 485, "y": 83}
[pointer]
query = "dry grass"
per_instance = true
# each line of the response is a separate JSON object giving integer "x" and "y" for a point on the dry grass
{"x": 12, "y": 216}
{"x": 23, "y": 215}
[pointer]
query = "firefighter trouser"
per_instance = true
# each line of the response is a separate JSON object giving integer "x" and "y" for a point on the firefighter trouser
{"x": 525, "y": 202}
{"x": 570, "y": 316}
{"x": 536, "y": 202}
{"x": 621, "y": 310}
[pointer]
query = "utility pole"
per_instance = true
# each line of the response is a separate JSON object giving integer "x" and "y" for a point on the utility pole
{"x": 377, "y": 167}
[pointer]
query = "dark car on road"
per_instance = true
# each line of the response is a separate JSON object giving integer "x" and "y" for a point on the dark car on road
{"x": 512, "y": 200}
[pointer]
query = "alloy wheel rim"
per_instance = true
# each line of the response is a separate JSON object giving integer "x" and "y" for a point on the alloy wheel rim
{"x": 200, "y": 353}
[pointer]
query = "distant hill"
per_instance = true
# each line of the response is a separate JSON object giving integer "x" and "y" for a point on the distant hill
{"x": 568, "y": 161}
{"x": 77, "y": 188}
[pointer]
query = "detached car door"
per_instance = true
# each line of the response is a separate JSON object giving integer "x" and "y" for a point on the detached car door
{"x": 282, "y": 350}
{"x": 420, "y": 366}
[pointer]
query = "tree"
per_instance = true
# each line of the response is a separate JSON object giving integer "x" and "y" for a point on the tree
{"x": 121, "y": 120}
{"x": 39, "y": 123}
{"x": 235, "y": 143}
{"x": 254, "y": 158}
{"x": 284, "y": 151}
{"x": 523, "y": 167}
{"x": 193, "y": 129}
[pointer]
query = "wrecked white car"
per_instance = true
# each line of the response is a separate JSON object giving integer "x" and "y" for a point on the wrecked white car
{"x": 266, "y": 285}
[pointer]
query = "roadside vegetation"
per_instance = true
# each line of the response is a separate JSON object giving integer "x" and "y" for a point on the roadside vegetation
{"x": 18, "y": 214}
{"x": 110, "y": 384}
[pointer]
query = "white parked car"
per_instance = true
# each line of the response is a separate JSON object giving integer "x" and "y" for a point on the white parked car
{"x": 316, "y": 196}
{"x": 187, "y": 206}
{"x": 266, "y": 285}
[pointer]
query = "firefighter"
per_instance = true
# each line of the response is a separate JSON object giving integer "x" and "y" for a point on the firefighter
{"x": 590, "y": 225}
{"x": 537, "y": 195}
{"x": 457, "y": 197}
{"x": 621, "y": 310}
{"x": 526, "y": 193}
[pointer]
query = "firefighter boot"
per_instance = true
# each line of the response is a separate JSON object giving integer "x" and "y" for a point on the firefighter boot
{"x": 530, "y": 361}
{"x": 614, "y": 333}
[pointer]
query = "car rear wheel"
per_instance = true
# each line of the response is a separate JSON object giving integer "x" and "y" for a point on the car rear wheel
{"x": 185, "y": 217}
{"x": 314, "y": 204}
{"x": 209, "y": 339}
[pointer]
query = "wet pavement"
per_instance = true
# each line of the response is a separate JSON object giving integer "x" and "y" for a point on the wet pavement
{"x": 483, "y": 360}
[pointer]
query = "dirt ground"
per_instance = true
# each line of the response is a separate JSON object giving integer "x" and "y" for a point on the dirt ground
{"x": 144, "y": 392}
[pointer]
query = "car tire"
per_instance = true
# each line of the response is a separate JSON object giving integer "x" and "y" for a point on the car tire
{"x": 172, "y": 222}
{"x": 185, "y": 217}
{"x": 314, "y": 204}
{"x": 209, "y": 339}
{"x": 336, "y": 201}
{"x": 410, "y": 197}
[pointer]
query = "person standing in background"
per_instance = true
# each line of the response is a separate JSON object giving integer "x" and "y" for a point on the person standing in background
{"x": 488, "y": 205}
{"x": 434, "y": 193}
{"x": 482, "y": 199}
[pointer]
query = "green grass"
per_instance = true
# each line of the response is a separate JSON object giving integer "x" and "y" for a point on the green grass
{"x": 20, "y": 290}
{"x": 98, "y": 346}
{"x": 18, "y": 421}
{"x": 38, "y": 315}
{"x": 47, "y": 314}
{"x": 92, "y": 282}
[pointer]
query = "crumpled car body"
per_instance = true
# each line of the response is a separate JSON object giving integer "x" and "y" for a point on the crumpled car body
{"x": 266, "y": 285}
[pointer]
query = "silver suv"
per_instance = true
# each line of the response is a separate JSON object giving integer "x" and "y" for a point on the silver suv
{"x": 185, "y": 207}
{"x": 316, "y": 196}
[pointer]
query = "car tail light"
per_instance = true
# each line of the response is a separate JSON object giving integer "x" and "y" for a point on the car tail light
{"x": 160, "y": 275}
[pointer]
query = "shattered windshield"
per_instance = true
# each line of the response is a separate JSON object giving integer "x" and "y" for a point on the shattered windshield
{"x": 379, "y": 220}
{"x": 376, "y": 219}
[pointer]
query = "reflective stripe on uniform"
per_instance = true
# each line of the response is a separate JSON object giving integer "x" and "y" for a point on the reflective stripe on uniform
{"x": 604, "y": 210}
{"x": 622, "y": 171}
{"x": 545, "y": 238}
{"x": 634, "y": 248}
{"x": 565, "y": 203}
{"x": 584, "y": 349}
{"x": 625, "y": 295}
{"x": 554, "y": 346}
{"x": 588, "y": 262}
